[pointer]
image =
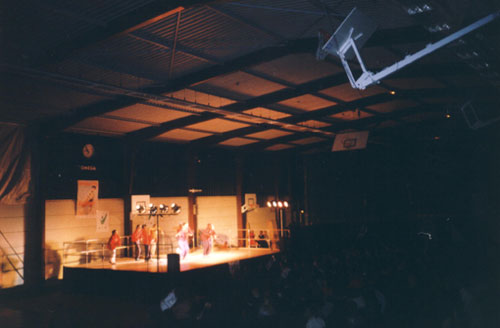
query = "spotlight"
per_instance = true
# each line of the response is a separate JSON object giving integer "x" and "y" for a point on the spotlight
{"x": 163, "y": 208}
{"x": 285, "y": 203}
{"x": 269, "y": 204}
{"x": 275, "y": 204}
{"x": 280, "y": 204}
{"x": 152, "y": 208}
{"x": 176, "y": 209}
{"x": 139, "y": 208}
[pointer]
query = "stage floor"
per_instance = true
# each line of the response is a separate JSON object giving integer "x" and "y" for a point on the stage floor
{"x": 194, "y": 260}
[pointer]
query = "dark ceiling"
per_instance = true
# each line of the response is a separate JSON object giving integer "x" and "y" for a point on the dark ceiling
{"x": 241, "y": 74}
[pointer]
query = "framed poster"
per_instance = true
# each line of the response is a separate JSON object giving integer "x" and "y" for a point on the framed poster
{"x": 87, "y": 198}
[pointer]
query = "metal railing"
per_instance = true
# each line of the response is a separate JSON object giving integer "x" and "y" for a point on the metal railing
{"x": 267, "y": 239}
{"x": 7, "y": 255}
{"x": 94, "y": 250}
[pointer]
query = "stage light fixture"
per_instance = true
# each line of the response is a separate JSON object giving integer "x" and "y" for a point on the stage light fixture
{"x": 285, "y": 203}
{"x": 163, "y": 208}
{"x": 275, "y": 204}
{"x": 280, "y": 204}
{"x": 152, "y": 208}
{"x": 269, "y": 204}
{"x": 139, "y": 208}
{"x": 176, "y": 209}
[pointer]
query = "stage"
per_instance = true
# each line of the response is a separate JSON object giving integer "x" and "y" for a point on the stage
{"x": 148, "y": 281}
{"x": 194, "y": 260}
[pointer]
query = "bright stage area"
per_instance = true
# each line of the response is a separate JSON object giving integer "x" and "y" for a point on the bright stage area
{"x": 194, "y": 260}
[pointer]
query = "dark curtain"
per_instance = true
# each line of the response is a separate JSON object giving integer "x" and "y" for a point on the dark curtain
{"x": 15, "y": 165}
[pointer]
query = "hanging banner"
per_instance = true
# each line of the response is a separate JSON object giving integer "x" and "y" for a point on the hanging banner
{"x": 87, "y": 198}
{"x": 102, "y": 221}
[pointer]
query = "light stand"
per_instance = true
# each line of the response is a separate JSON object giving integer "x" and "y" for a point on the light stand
{"x": 279, "y": 206}
{"x": 158, "y": 212}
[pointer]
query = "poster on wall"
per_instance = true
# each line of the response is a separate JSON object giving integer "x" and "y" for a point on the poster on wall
{"x": 87, "y": 198}
{"x": 102, "y": 221}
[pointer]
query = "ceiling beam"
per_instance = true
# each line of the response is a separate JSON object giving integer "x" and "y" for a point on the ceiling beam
{"x": 171, "y": 46}
{"x": 254, "y": 58}
{"x": 144, "y": 134}
{"x": 217, "y": 138}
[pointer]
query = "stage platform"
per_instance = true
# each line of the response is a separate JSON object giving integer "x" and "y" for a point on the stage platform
{"x": 150, "y": 280}
{"x": 194, "y": 260}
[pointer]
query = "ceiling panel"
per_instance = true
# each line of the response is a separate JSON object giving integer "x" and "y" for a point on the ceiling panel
{"x": 298, "y": 69}
{"x": 217, "y": 125}
{"x": 182, "y": 135}
{"x": 199, "y": 97}
{"x": 307, "y": 102}
{"x": 351, "y": 115}
{"x": 266, "y": 113}
{"x": 392, "y": 106}
{"x": 314, "y": 124}
{"x": 346, "y": 92}
{"x": 146, "y": 113}
{"x": 107, "y": 124}
{"x": 269, "y": 134}
{"x": 243, "y": 84}
{"x": 235, "y": 142}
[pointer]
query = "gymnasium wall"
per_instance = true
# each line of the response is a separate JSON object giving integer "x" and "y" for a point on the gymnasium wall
{"x": 62, "y": 226}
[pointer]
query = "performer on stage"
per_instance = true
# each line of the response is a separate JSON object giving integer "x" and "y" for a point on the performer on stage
{"x": 154, "y": 239}
{"x": 136, "y": 239}
{"x": 146, "y": 240}
{"x": 113, "y": 242}
{"x": 207, "y": 239}
{"x": 182, "y": 235}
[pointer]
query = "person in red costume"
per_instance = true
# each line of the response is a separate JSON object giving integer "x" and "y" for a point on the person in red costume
{"x": 136, "y": 239}
{"x": 113, "y": 242}
{"x": 207, "y": 239}
{"x": 146, "y": 240}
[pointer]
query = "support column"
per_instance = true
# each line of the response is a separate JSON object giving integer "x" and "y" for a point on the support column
{"x": 240, "y": 217}
{"x": 129, "y": 154}
{"x": 34, "y": 217}
{"x": 191, "y": 183}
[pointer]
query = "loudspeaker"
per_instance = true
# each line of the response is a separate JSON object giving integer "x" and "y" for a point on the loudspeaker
{"x": 173, "y": 262}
